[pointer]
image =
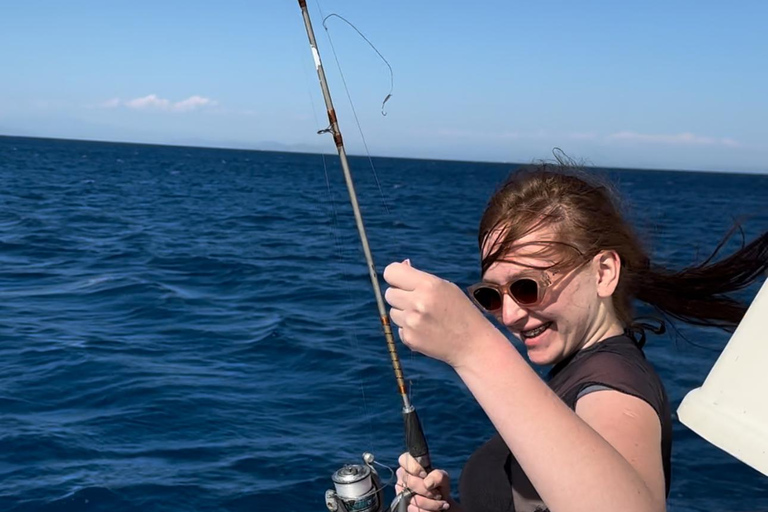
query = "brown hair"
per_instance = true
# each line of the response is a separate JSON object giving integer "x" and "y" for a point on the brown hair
{"x": 584, "y": 213}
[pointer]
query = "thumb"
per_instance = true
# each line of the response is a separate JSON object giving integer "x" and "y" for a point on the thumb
{"x": 438, "y": 479}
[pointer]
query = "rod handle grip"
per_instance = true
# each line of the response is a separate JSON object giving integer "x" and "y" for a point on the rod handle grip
{"x": 415, "y": 440}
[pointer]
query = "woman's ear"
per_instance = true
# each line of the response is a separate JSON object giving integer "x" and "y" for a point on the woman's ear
{"x": 608, "y": 264}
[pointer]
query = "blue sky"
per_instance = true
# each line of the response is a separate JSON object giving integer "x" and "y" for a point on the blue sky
{"x": 680, "y": 84}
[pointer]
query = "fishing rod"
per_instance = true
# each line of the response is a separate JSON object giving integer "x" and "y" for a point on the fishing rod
{"x": 351, "y": 481}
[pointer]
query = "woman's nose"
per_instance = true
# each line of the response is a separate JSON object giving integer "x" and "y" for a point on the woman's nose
{"x": 511, "y": 312}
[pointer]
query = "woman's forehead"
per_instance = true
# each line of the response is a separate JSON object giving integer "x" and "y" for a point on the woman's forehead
{"x": 541, "y": 243}
{"x": 536, "y": 251}
{"x": 519, "y": 262}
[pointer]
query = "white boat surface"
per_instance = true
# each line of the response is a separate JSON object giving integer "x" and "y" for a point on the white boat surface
{"x": 730, "y": 409}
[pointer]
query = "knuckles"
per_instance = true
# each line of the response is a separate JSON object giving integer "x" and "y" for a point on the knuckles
{"x": 408, "y": 464}
{"x": 413, "y": 320}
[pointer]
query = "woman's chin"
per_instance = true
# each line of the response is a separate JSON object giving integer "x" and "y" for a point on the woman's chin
{"x": 540, "y": 356}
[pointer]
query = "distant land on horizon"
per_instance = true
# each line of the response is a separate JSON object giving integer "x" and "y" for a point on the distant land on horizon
{"x": 278, "y": 147}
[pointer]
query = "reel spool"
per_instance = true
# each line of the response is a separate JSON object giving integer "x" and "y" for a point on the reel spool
{"x": 357, "y": 488}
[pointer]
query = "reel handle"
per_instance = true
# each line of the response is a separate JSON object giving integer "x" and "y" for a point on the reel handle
{"x": 401, "y": 501}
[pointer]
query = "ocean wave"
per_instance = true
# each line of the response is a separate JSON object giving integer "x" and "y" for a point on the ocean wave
{"x": 175, "y": 339}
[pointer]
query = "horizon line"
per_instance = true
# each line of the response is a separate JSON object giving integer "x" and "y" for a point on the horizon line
{"x": 300, "y": 152}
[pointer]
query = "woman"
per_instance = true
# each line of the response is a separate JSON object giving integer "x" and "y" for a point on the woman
{"x": 560, "y": 269}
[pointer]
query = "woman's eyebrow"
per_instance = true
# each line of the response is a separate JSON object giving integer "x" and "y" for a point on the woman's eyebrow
{"x": 504, "y": 279}
{"x": 509, "y": 276}
{"x": 536, "y": 264}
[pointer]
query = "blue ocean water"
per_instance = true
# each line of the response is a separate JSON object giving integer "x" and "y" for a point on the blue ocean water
{"x": 188, "y": 329}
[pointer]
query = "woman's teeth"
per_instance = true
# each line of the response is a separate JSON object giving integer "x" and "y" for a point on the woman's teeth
{"x": 535, "y": 332}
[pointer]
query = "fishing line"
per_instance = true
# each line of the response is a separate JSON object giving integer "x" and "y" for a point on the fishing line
{"x": 392, "y": 475}
{"x": 415, "y": 440}
{"x": 411, "y": 355}
{"x": 391, "y": 73}
{"x": 346, "y": 277}
{"x": 349, "y": 96}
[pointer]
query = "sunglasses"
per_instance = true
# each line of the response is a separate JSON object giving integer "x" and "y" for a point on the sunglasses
{"x": 527, "y": 290}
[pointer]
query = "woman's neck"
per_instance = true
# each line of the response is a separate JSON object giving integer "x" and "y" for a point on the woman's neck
{"x": 606, "y": 325}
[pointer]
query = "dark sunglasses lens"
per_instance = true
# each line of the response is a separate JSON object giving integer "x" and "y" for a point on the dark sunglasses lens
{"x": 489, "y": 298}
{"x": 525, "y": 291}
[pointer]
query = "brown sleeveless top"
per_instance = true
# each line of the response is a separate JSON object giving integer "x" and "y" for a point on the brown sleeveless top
{"x": 493, "y": 481}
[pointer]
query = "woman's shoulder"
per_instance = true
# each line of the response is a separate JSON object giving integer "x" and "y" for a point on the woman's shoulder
{"x": 616, "y": 363}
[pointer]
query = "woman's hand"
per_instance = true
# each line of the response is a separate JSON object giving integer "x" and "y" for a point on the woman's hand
{"x": 432, "y": 491}
{"x": 434, "y": 316}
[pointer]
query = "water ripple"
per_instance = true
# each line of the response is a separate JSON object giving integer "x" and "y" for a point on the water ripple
{"x": 193, "y": 329}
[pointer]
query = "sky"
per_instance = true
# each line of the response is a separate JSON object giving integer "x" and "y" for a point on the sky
{"x": 643, "y": 84}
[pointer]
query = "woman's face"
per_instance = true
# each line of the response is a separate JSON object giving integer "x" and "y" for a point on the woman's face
{"x": 574, "y": 312}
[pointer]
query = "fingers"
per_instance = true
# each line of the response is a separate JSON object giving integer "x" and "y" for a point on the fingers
{"x": 411, "y": 465}
{"x": 396, "y": 274}
{"x": 438, "y": 482}
{"x": 415, "y": 484}
{"x": 398, "y": 316}
{"x": 403, "y": 275}
{"x": 397, "y": 298}
{"x": 420, "y": 503}
{"x": 407, "y": 288}
{"x": 430, "y": 489}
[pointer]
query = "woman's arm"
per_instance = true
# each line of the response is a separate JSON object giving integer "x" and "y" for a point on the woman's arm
{"x": 609, "y": 458}
{"x": 606, "y": 456}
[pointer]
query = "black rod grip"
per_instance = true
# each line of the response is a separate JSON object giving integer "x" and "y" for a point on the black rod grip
{"x": 415, "y": 440}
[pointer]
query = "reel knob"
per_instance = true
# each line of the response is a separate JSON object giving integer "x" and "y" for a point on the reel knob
{"x": 330, "y": 501}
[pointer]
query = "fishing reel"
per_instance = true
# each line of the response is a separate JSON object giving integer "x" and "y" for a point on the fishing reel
{"x": 358, "y": 488}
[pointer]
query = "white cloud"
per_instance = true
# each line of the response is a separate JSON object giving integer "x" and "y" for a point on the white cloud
{"x": 148, "y": 102}
{"x": 192, "y": 103}
{"x": 154, "y": 102}
{"x": 685, "y": 138}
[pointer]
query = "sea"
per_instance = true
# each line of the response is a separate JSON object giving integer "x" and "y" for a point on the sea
{"x": 191, "y": 329}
